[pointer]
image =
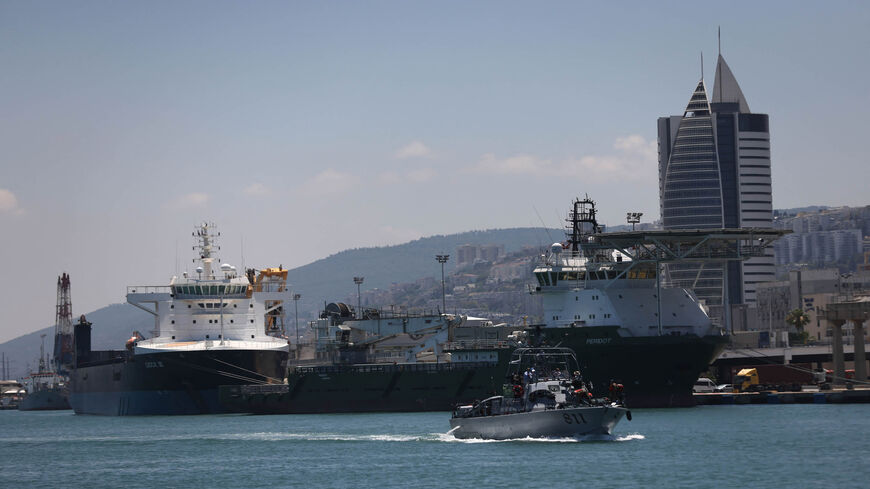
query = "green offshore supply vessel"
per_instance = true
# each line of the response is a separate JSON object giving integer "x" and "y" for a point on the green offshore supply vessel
{"x": 602, "y": 296}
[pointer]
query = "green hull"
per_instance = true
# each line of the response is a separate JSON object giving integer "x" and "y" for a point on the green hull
{"x": 369, "y": 388}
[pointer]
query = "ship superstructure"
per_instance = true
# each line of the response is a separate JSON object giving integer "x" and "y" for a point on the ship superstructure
{"x": 211, "y": 327}
{"x": 605, "y": 297}
{"x": 585, "y": 285}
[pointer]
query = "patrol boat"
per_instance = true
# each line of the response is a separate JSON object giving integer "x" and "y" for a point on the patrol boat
{"x": 212, "y": 328}
{"x": 547, "y": 398}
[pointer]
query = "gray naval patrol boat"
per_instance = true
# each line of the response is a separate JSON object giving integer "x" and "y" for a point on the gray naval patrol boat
{"x": 546, "y": 398}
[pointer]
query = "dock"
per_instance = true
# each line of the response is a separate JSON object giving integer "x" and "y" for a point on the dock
{"x": 834, "y": 396}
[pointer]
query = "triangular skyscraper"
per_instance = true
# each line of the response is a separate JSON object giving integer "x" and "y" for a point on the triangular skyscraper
{"x": 714, "y": 172}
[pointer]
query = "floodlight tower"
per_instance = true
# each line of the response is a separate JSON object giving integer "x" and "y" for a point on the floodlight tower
{"x": 296, "y": 298}
{"x": 633, "y": 218}
{"x": 358, "y": 281}
{"x": 442, "y": 259}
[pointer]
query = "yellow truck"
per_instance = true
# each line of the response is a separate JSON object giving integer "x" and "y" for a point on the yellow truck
{"x": 776, "y": 377}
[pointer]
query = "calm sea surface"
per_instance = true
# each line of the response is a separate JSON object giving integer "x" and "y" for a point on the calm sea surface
{"x": 789, "y": 446}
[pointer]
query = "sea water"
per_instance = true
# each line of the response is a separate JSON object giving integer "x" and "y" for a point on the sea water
{"x": 788, "y": 446}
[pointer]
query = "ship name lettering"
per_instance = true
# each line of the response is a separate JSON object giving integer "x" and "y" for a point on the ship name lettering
{"x": 597, "y": 341}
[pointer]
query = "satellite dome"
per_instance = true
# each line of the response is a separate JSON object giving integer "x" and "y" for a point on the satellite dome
{"x": 556, "y": 248}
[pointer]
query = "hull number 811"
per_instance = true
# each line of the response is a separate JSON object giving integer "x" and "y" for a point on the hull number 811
{"x": 574, "y": 418}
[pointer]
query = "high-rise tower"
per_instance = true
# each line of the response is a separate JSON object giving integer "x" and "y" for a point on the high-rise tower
{"x": 714, "y": 172}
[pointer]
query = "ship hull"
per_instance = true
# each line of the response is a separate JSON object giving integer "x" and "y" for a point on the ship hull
{"x": 169, "y": 383}
{"x": 656, "y": 371}
{"x": 552, "y": 423}
{"x": 369, "y": 388}
{"x": 45, "y": 400}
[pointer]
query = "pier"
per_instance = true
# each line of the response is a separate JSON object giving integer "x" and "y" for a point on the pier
{"x": 834, "y": 396}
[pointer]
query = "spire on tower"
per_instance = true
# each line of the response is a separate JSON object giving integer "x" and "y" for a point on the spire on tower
{"x": 726, "y": 88}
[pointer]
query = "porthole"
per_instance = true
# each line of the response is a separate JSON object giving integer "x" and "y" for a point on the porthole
{"x": 194, "y": 321}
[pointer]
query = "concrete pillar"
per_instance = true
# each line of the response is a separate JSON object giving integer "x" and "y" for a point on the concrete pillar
{"x": 860, "y": 354}
{"x": 837, "y": 353}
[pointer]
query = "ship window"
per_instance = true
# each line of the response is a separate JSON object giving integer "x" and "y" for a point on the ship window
{"x": 173, "y": 321}
{"x": 194, "y": 321}
{"x": 172, "y": 306}
{"x": 220, "y": 336}
{"x": 252, "y": 320}
{"x": 231, "y": 321}
{"x": 173, "y": 337}
{"x": 576, "y": 298}
{"x": 206, "y": 336}
{"x": 252, "y": 337}
{"x": 251, "y": 306}
{"x": 188, "y": 306}
{"x": 235, "y": 305}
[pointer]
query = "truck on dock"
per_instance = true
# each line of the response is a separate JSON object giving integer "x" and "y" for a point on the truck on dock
{"x": 777, "y": 378}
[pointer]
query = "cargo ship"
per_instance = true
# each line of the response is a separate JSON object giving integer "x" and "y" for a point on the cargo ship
{"x": 603, "y": 296}
{"x": 212, "y": 327}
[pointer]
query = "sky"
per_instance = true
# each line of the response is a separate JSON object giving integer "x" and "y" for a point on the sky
{"x": 306, "y": 128}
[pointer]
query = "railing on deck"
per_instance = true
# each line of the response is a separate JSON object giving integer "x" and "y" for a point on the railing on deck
{"x": 149, "y": 289}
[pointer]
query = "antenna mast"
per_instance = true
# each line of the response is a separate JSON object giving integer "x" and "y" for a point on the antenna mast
{"x": 583, "y": 221}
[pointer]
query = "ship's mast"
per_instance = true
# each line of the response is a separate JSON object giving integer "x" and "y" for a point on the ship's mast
{"x": 582, "y": 221}
{"x": 63, "y": 326}
{"x": 207, "y": 237}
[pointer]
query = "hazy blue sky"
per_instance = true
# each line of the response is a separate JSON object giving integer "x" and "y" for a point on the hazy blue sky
{"x": 306, "y": 128}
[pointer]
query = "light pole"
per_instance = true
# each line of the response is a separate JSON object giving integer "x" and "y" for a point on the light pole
{"x": 633, "y": 218}
{"x": 358, "y": 281}
{"x": 442, "y": 259}
{"x": 296, "y": 298}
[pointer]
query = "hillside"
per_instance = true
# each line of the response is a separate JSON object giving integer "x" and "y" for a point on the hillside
{"x": 331, "y": 279}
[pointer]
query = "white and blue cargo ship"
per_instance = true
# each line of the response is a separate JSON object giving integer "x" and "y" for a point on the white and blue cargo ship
{"x": 213, "y": 327}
